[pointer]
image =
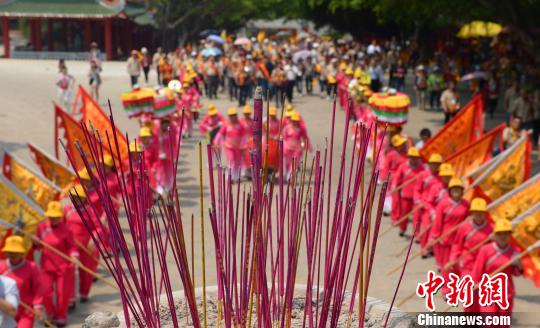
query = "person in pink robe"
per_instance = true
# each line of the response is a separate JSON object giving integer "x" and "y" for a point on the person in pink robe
{"x": 167, "y": 139}
{"x": 405, "y": 178}
{"x": 295, "y": 142}
{"x": 247, "y": 122}
{"x": 184, "y": 112}
{"x": 57, "y": 273}
{"x": 471, "y": 233}
{"x": 451, "y": 210}
{"x": 491, "y": 258}
{"x": 273, "y": 124}
{"x": 232, "y": 137}
{"x": 27, "y": 276}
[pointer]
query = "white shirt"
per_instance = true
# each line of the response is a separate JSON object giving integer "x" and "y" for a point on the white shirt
{"x": 10, "y": 293}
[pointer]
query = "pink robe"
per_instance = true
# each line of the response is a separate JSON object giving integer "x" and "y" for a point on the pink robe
{"x": 393, "y": 160}
{"x": 448, "y": 213}
{"x": 273, "y": 129}
{"x": 295, "y": 141}
{"x": 233, "y": 139}
{"x": 405, "y": 196}
{"x": 489, "y": 259}
{"x": 164, "y": 165}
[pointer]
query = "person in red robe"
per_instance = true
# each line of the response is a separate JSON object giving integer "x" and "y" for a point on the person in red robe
{"x": 406, "y": 179}
{"x": 88, "y": 253}
{"x": 424, "y": 181}
{"x": 491, "y": 258}
{"x": 26, "y": 274}
{"x": 394, "y": 158}
{"x": 295, "y": 142}
{"x": 451, "y": 210}
{"x": 471, "y": 233}
{"x": 436, "y": 192}
{"x": 57, "y": 272}
{"x": 232, "y": 137}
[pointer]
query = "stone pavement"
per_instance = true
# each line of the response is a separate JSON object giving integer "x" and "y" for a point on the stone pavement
{"x": 26, "y": 115}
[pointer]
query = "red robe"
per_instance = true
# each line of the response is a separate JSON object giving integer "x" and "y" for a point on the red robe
{"x": 392, "y": 161}
{"x": 27, "y": 276}
{"x": 57, "y": 273}
{"x": 448, "y": 213}
{"x": 405, "y": 196}
{"x": 488, "y": 260}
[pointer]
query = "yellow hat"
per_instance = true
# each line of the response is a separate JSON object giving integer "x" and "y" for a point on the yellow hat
{"x": 272, "y": 111}
{"x": 398, "y": 140}
{"x": 135, "y": 147}
{"x": 289, "y": 108}
{"x": 289, "y": 114}
{"x": 296, "y": 117}
{"x": 145, "y": 132}
{"x": 446, "y": 170}
{"x": 357, "y": 73}
{"x": 14, "y": 244}
{"x": 349, "y": 71}
{"x": 413, "y": 152}
{"x": 83, "y": 174}
{"x": 108, "y": 160}
{"x": 478, "y": 205}
{"x": 502, "y": 225}
{"x": 212, "y": 110}
{"x": 54, "y": 210}
{"x": 247, "y": 109}
{"x": 77, "y": 191}
{"x": 455, "y": 182}
{"x": 231, "y": 111}
{"x": 435, "y": 159}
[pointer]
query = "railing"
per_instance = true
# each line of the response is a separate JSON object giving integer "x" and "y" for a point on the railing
{"x": 56, "y": 55}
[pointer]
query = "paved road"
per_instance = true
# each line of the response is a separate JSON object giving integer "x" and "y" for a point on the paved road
{"x": 26, "y": 114}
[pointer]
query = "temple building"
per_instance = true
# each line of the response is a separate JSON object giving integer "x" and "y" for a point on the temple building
{"x": 66, "y": 28}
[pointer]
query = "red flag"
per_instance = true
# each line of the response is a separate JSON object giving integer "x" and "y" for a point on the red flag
{"x": 464, "y": 128}
{"x": 93, "y": 114}
{"x": 472, "y": 156}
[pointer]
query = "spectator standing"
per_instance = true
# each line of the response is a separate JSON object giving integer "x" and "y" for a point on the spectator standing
{"x": 156, "y": 62}
{"x": 511, "y": 94}
{"x": 449, "y": 102}
{"x": 94, "y": 80}
{"x": 211, "y": 75}
{"x": 309, "y": 71}
{"x": 290, "y": 74}
{"x": 376, "y": 75}
{"x": 134, "y": 68}
{"x": 9, "y": 302}
{"x": 420, "y": 86}
{"x": 513, "y": 132}
{"x": 166, "y": 71}
{"x": 65, "y": 83}
{"x": 146, "y": 63}
{"x": 397, "y": 75}
{"x": 434, "y": 85}
{"x": 493, "y": 90}
{"x": 522, "y": 107}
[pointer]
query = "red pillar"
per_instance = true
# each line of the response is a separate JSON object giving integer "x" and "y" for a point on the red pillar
{"x": 87, "y": 34}
{"x": 108, "y": 39}
{"x": 5, "y": 35}
{"x": 50, "y": 42}
{"x": 37, "y": 27}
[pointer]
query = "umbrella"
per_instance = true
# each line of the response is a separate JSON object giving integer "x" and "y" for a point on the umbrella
{"x": 241, "y": 41}
{"x": 302, "y": 54}
{"x": 215, "y": 38}
{"x": 478, "y": 29}
{"x": 206, "y": 33}
{"x": 211, "y": 52}
{"x": 474, "y": 75}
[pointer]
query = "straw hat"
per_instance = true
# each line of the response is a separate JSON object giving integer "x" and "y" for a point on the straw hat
{"x": 77, "y": 191}
{"x": 83, "y": 174}
{"x": 413, "y": 152}
{"x": 232, "y": 111}
{"x": 54, "y": 210}
{"x": 435, "y": 159}
{"x": 446, "y": 170}
{"x": 145, "y": 132}
{"x": 502, "y": 225}
{"x": 108, "y": 160}
{"x": 14, "y": 244}
{"x": 455, "y": 182}
{"x": 212, "y": 110}
{"x": 135, "y": 147}
{"x": 478, "y": 205}
{"x": 398, "y": 140}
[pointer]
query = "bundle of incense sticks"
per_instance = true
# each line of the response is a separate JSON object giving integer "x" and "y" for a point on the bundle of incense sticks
{"x": 261, "y": 232}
